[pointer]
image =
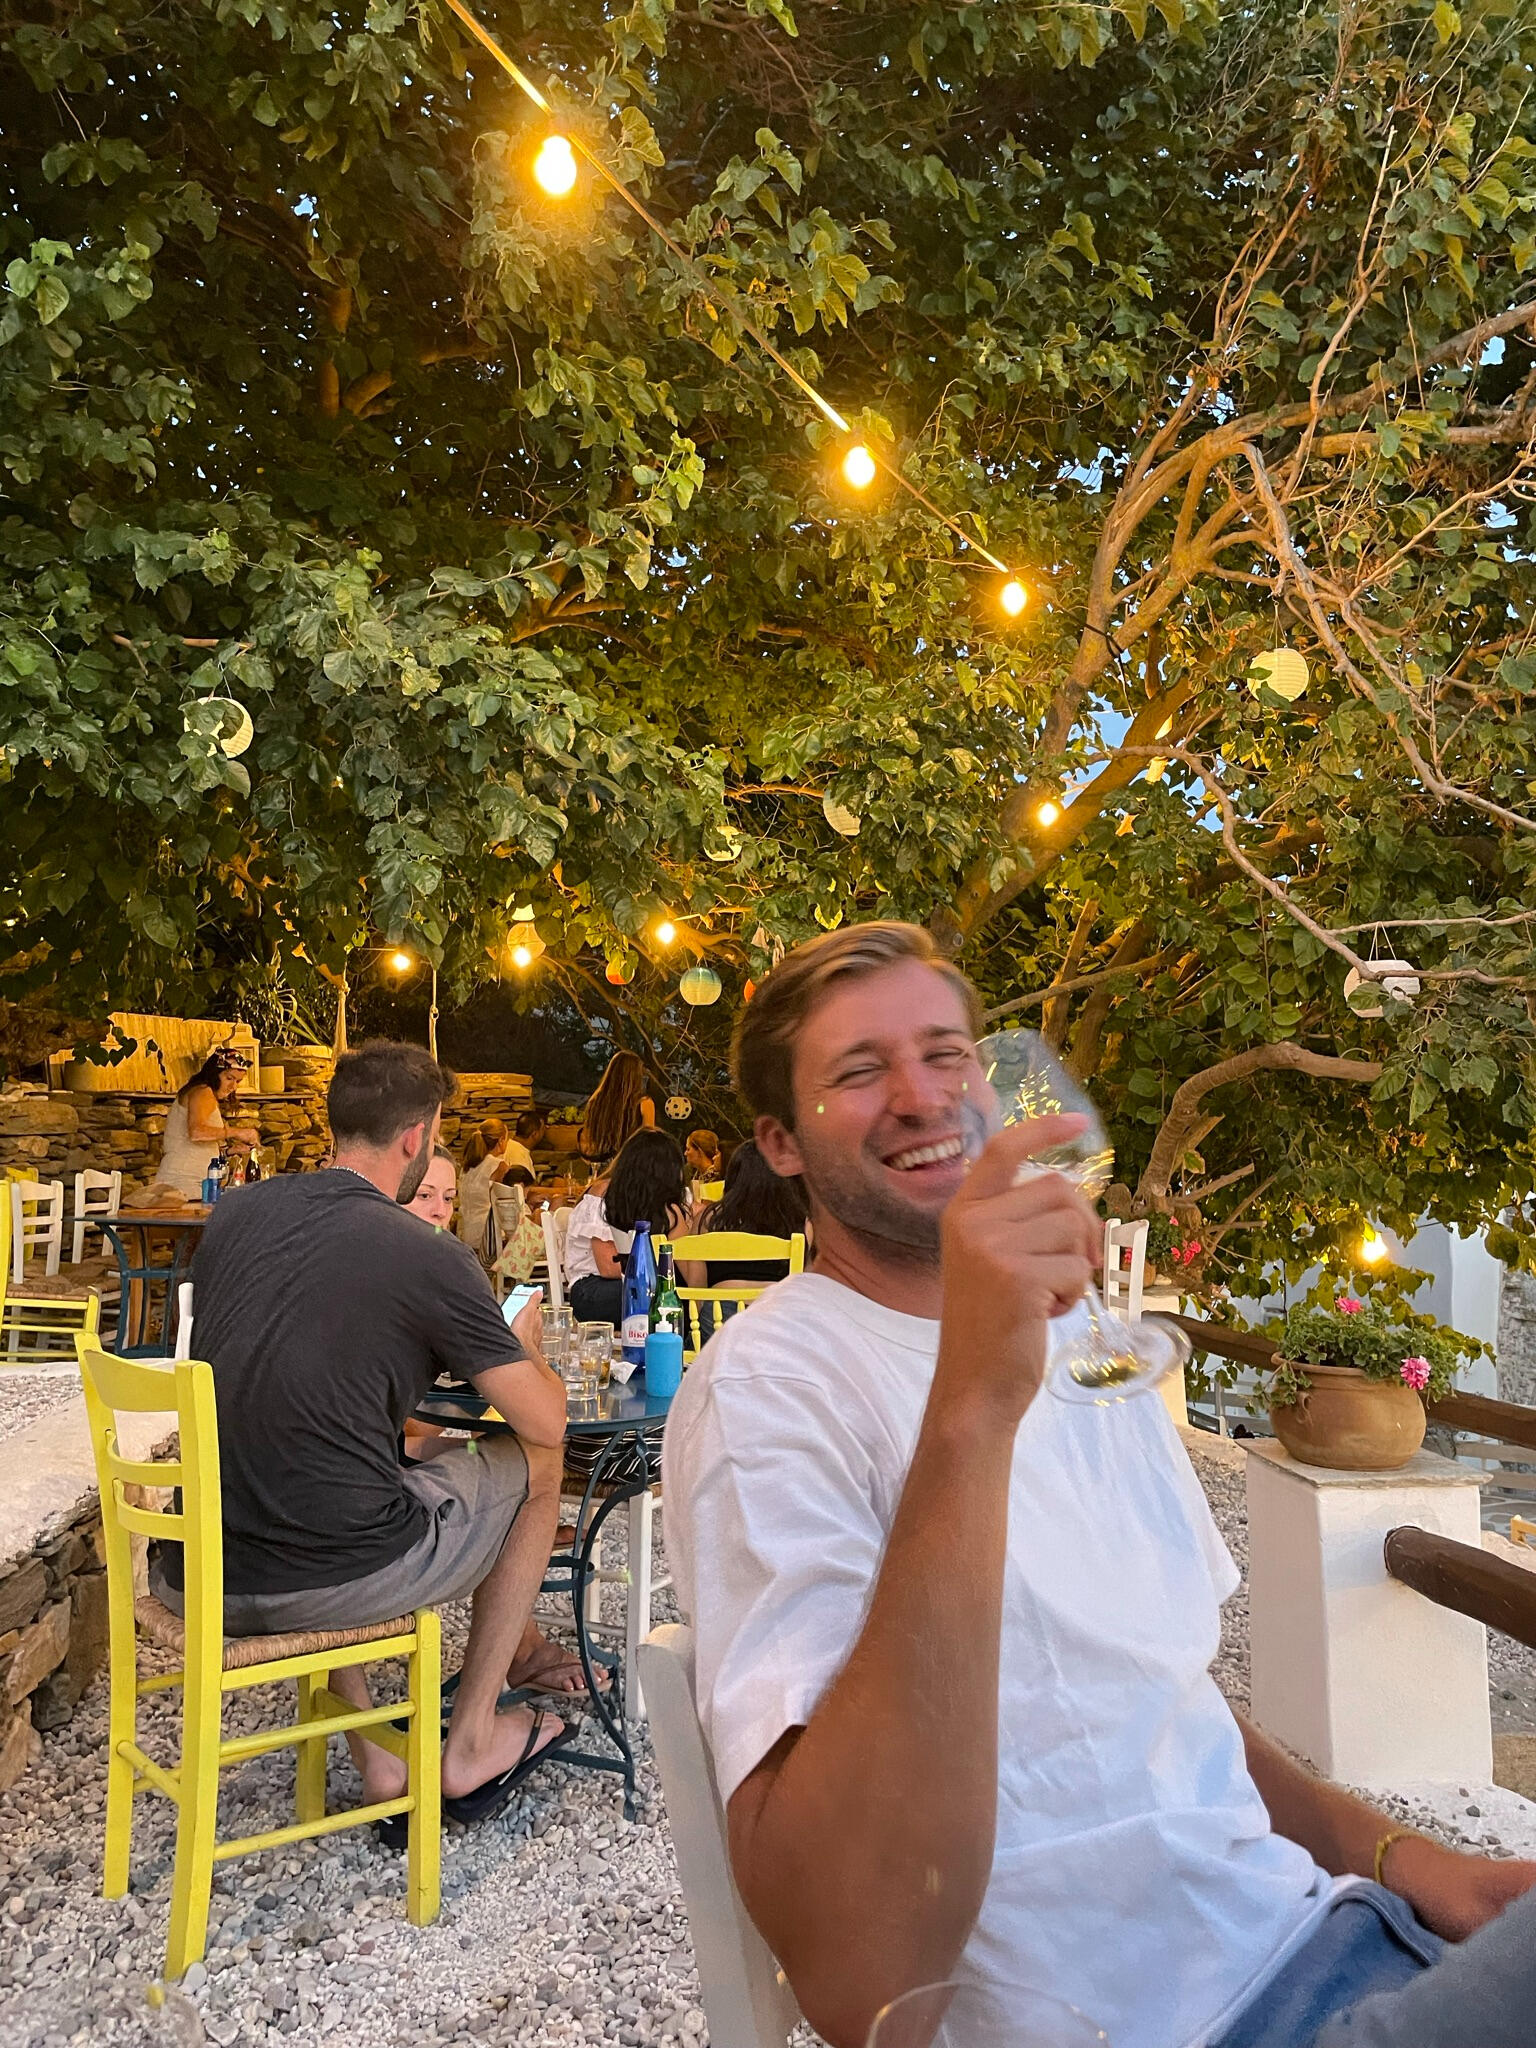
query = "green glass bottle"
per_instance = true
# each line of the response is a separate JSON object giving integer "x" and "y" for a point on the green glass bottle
{"x": 666, "y": 1308}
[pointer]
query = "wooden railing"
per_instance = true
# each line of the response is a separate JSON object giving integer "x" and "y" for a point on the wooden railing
{"x": 1462, "y": 1577}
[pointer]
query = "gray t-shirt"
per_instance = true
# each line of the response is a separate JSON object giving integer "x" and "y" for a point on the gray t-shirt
{"x": 326, "y": 1311}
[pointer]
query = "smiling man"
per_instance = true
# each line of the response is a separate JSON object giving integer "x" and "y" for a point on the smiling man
{"x": 953, "y": 1635}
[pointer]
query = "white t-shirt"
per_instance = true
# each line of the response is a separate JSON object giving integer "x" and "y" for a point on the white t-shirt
{"x": 1136, "y": 1875}
{"x": 589, "y": 1219}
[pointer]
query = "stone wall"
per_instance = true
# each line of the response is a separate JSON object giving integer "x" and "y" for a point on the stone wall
{"x": 55, "y": 1136}
{"x": 1517, "y": 1339}
{"x": 53, "y": 1637}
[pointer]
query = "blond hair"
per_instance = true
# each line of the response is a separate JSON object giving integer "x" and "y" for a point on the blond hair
{"x": 762, "y": 1051}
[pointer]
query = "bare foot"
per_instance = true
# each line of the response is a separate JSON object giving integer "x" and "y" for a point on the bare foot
{"x": 384, "y": 1776}
{"x": 546, "y": 1666}
{"x": 467, "y": 1766}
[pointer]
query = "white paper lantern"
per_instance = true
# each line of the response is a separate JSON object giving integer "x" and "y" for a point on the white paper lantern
{"x": 1280, "y": 669}
{"x": 1367, "y": 997}
{"x": 224, "y": 721}
{"x": 839, "y": 817}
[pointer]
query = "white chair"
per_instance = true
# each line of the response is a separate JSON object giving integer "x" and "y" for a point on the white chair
{"x": 556, "y": 1223}
{"x": 37, "y": 1225}
{"x": 747, "y": 2001}
{"x": 1125, "y": 1285}
{"x": 96, "y": 1195}
{"x": 183, "y": 1346}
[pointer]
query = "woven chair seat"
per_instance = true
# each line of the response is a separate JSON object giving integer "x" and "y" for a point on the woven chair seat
{"x": 169, "y": 1632}
{"x": 74, "y": 1285}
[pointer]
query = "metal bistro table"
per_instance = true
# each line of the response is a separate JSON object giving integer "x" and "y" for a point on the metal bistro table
{"x": 139, "y": 1275}
{"x": 613, "y": 1449}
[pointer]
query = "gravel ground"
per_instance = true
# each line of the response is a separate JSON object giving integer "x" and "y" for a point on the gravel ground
{"x": 562, "y": 1923}
{"x": 26, "y": 1392}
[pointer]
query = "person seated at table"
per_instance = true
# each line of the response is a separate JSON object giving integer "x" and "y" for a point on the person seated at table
{"x": 538, "y": 1663}
{"x": 702, "y": 1152}
{"x": 326, "y": 1311}
{"x": 617, "y": 1107}
{"x": 527, "y": 1132}
{"x": 758, "y": 1201}
{"x": 484, "y": 1166}
{"x": 953, "y": 1634}
{"x": 646, "y": 1182}
{"x": 195, "y": 1130}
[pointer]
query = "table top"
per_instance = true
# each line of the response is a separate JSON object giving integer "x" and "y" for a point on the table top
{"x": 159, "y": 1219}
{"x": 611, "y": 1411}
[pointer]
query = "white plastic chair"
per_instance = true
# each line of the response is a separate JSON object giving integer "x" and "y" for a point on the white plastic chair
{"x": 96, "y": 1195}
{"x": 556, "y": 1223}
{"x": 37, "y": 1225}
{"x": 1124, "y": 1287}
{"x": 747, "y": 2001}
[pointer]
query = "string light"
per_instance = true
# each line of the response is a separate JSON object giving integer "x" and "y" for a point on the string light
{"x": 401, "y": 962}
{"x": 1013, "y": 597}
{"x": 859, "y": 467}
{"x": 522, "y": 956}
{"x": 1047, "y": 814}
{"x": 719, "y": 296}
{"x": 1374, "y": 1248}
{"x": 555, "y": 166}
{"x": 666, "y": 932}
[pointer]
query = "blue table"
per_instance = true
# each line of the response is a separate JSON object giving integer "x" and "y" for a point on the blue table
{"x": 139, "y": 1275}
{"x": 613, "y": 1444}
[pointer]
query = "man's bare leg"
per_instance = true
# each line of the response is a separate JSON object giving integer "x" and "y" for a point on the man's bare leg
{"x": 482, "y": 1743}
{"x": 383, "y": 1775}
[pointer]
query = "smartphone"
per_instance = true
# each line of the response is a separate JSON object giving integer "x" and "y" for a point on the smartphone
{"x": 517, "y": 1301}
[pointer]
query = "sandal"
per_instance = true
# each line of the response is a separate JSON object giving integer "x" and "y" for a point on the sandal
{"x": 487, "y": 1800}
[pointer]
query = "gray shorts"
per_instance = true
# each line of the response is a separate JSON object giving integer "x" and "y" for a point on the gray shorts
{"x": 472, "y": 1494}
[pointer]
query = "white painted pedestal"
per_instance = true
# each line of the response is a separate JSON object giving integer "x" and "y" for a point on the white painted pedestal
{"x": 1368, "y": 1680}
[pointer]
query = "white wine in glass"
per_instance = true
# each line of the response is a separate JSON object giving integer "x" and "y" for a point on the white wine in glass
{"x": 1095, "y": 1355}
{"x": 972, "y": 2015}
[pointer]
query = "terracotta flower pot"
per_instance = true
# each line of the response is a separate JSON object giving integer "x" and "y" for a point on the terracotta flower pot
{"x": 1348, "y": 1423}
{"x": 561, "y": 1137}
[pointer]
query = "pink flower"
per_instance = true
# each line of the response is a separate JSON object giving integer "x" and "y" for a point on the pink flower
{"x": 1186, "y": 1254}
{"x": 1416, "y": 1373}
{"x": 1347, "y": 1305}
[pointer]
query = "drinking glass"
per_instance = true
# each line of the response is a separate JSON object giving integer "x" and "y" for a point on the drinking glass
{"x": 1095, "y": 1355}
{"x": 955, "y": 2015}
{"x": 557, "y": 1329}
{"x": 594, "y": 1349}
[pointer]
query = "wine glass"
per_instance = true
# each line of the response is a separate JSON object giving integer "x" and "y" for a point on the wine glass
{"x": 965, "y": 2015}
{"x": 1095, "y": 1355}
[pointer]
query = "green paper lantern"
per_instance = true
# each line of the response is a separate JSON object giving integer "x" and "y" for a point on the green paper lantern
{"x": 700, "y": 986}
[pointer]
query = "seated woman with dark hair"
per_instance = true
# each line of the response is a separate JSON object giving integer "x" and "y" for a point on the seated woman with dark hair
{"x": 646, "y": 1185}
{"x": 757, "y": 1200}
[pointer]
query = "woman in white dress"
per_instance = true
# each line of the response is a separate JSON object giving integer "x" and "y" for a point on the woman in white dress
{"x": 195, "y": 1130}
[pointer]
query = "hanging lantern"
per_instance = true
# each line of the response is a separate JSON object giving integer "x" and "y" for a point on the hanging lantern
{"x": 1280, "y": 669}
{"x": 722, "y": 843}
{"x": 620, "y": 971}
{"x": 679, "y": 1107}
{"x": 1367, "y": 997}
{"x": 700, "y": 986}
{"x": 523, "y": 938}
{"x": 222, "y": 720}
{"x": 839, "y": 817}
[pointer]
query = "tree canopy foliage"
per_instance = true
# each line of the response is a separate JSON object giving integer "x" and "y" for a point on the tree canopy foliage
{"x": 540, "y": 586}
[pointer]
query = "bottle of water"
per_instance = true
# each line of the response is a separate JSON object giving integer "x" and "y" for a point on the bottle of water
{"x": 639, "y": 1286}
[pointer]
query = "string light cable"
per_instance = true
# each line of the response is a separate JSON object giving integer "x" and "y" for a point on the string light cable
{"x": 726, "y": 302}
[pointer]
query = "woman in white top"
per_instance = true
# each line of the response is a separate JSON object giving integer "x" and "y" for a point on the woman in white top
{"x": 195, "y": 1130}
{"x": 485, "y": 1164}
{"x": 646, "y": 1184}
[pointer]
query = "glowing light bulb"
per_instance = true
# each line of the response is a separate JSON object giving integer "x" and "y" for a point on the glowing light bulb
{"x": 1374, "y": 1248}
{"x": 402, "y": 963}
{"x": 666, "y": 932}
{"x": 1047, "y": 814}
{"x": 522, "y": 956}
{"x": 1013, "y": 597}
{"x": 555, "y": 166}
{"x": 860, "y": 467}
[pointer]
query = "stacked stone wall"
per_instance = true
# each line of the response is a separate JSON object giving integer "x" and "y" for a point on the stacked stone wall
{"x": 1517, "y": 1339}
{"x": 53, "y": 1637}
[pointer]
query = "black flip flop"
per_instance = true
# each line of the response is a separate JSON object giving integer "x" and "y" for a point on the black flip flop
{"x": 487, "y": 1800}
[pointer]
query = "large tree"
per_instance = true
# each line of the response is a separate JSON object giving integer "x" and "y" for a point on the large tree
{"x": 540, "y": 585}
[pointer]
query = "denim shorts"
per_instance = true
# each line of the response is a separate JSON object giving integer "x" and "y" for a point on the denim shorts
{"x": 1370, "y": 1941}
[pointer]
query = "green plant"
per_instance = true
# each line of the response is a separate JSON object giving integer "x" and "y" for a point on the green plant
{"x": 1393, "y": 1345}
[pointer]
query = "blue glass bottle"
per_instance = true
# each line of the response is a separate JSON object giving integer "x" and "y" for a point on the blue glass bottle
{"x": 639, "y": 1287}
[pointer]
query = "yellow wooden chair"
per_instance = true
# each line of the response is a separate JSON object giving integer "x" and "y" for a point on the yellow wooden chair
{"x": 212, "y": 1666}
{"x": 39, "y": 1319}
{"x": 737, "y": 1246}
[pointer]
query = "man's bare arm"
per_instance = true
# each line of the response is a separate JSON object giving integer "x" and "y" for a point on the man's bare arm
{"x": 1452, "y": 1893}
{"x": 862, "y": 1843}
